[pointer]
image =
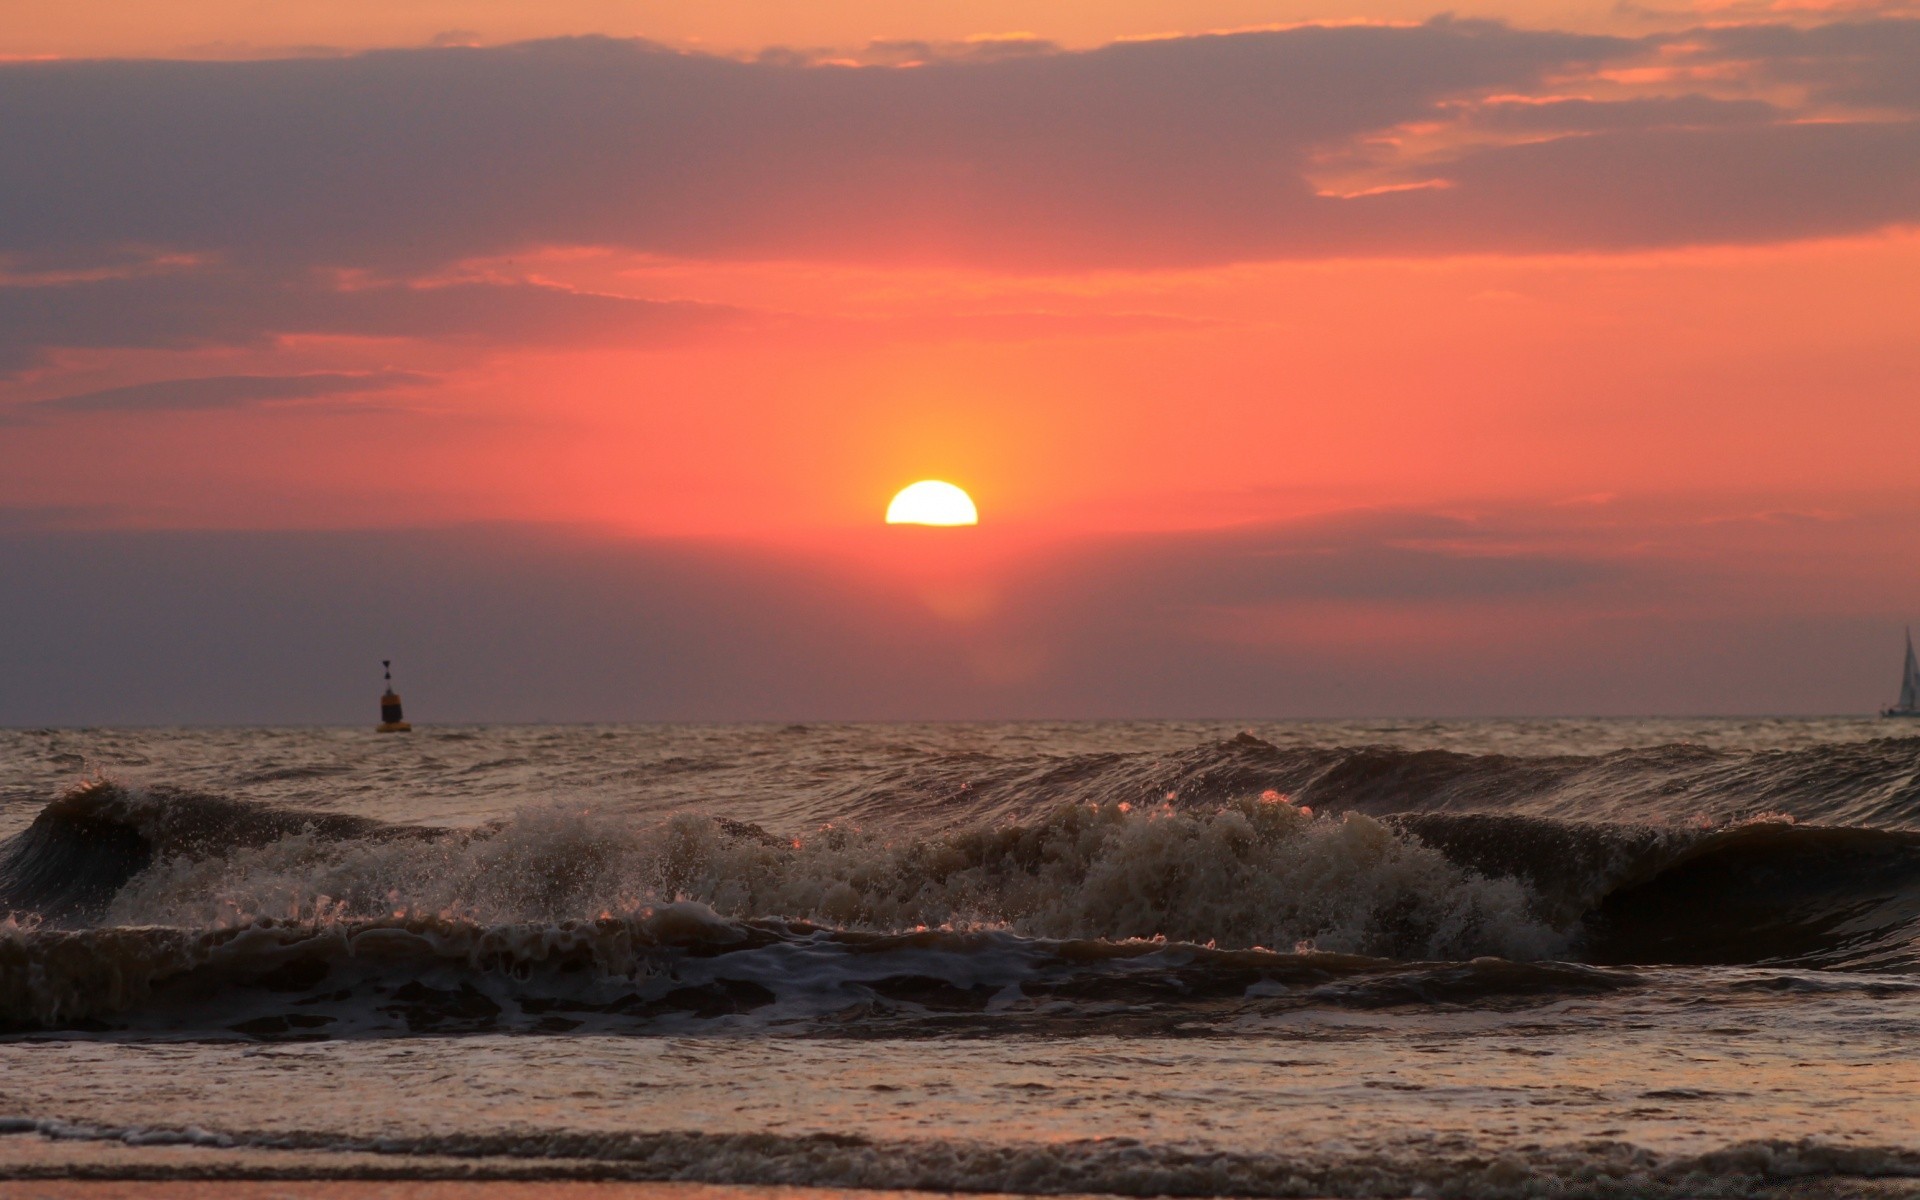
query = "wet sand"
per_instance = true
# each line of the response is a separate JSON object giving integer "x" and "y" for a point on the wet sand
{"x": 414, "y": 1189}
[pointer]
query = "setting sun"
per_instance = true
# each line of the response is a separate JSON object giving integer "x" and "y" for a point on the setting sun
{"x": 931, "y": 502}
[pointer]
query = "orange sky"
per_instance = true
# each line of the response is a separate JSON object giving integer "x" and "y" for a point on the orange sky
{"x": 1109, "y": 401}
{"x": 243, "y": 28}
{"x": 1582, "y": 276}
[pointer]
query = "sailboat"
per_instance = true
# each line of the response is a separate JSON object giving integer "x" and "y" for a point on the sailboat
{"x": 1909, "y": 704}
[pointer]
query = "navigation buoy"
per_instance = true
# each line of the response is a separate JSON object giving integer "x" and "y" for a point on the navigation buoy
{"x": 390, "y": 718}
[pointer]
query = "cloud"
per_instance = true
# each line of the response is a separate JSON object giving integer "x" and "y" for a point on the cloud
{"x": 1670, "y": 187}
{"x": 1577, "y": 115}
{"x": 187, "y": 309}
{"x": 45, "y": 518}
{"x": 226, "y": 391}
{"x": 902, "y": 52}
{"x": 178, "y": 205}
{"x": 1173, "y": 150}
{"x": 1388, "y": 556}
{"x": 1872, "y": 62}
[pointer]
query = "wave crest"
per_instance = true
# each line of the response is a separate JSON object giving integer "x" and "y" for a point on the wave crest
{"x": 1250, "y": 872}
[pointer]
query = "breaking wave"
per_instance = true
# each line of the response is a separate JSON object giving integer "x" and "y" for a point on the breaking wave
{"x": 682, "y": 965}
{"x": 1192, "y": 882}
{"x": 1253, "y": 872}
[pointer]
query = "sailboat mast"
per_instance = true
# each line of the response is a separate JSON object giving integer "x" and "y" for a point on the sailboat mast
{"x": 1910, "y": 678}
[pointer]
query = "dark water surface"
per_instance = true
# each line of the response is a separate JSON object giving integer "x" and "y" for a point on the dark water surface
{"x": 1457, "y": 958}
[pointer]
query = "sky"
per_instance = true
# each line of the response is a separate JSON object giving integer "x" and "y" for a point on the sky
{"x": 1303, "y": 358}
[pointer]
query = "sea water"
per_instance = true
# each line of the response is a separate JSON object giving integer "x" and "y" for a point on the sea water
{"x": 1435, "y": 958}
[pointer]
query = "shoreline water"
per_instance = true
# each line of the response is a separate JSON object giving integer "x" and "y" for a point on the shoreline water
{"x": 147, "y": 1178}
{"x": 1495, "y": 959}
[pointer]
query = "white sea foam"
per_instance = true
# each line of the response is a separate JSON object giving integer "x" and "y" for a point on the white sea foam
{"x": 1256, "y": 872}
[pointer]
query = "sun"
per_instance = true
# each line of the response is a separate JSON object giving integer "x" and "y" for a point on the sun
{"x": 931, "y": 502}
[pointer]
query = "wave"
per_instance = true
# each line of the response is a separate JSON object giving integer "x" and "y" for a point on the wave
{"x": 122, "y": 897}
{"x": 1772, "y": 893}
{"x": 84, "y": 847}
{"x": 1120, "y": 1166}
{"x": 1257, "y": 871}
{"x": 1863, "y": 784}
{"x": 683, "y": 965}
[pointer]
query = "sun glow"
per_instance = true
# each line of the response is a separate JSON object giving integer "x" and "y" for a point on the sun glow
{"x": 931, "y": 502}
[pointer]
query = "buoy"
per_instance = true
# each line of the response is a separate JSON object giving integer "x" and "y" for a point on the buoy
{"x": 390, "y": 718}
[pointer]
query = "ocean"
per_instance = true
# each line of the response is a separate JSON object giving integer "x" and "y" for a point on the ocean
{"x": 1441, "y": 958}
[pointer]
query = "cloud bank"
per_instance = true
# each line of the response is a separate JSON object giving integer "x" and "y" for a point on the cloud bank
{"x": 254, "y": 185}
{"x": 227, "y": 391}
{"x": 1385, "y": 612}
{"x": 1167, "y": 152}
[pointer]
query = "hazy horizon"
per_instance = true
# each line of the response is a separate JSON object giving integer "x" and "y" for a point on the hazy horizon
{"x": 513, "y": 625}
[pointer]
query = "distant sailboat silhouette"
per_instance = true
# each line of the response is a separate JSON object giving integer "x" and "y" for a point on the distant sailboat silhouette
{"x": 1909, "y": 704}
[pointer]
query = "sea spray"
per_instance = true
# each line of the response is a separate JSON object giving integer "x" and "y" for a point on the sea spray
{"x": 1252, "y": 872}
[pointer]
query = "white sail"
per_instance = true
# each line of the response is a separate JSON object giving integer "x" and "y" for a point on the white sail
{"x": 1910, "y": 680}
